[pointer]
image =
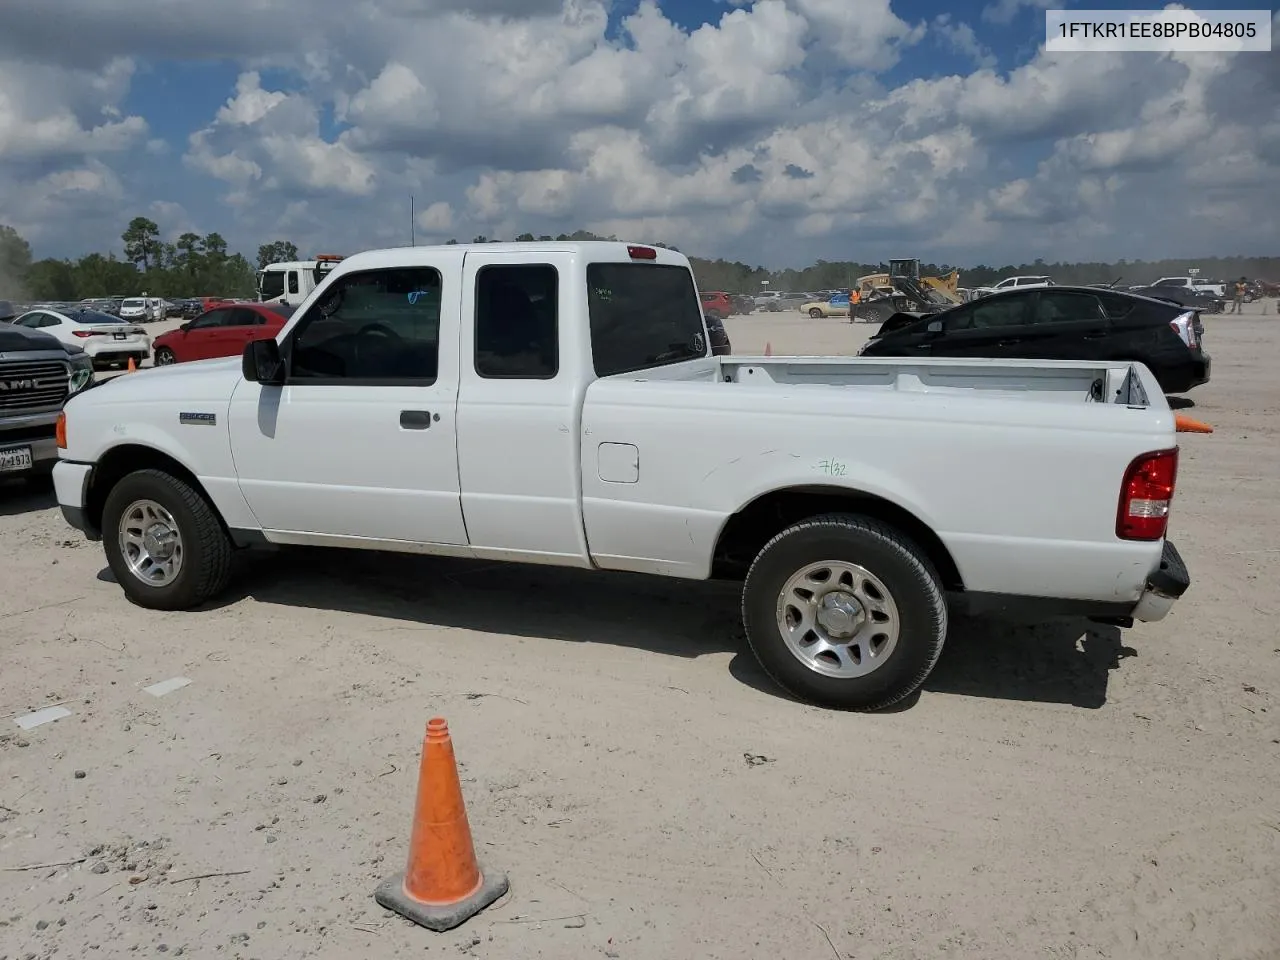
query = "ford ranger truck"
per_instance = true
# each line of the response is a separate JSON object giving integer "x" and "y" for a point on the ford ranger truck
{"x": 559, "y": 403}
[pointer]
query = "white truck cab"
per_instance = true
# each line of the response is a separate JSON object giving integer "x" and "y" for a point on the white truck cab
{"x": 290, "y": 282}
{"x": 559, "y": 403}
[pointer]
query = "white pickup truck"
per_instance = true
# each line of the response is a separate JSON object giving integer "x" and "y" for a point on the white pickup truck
{"x": 1194, "y": 284}
{"x": 557, "y": 403}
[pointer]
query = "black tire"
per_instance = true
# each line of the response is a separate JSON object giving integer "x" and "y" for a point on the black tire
{"x": 165, "y": 356}
{"x": 882, "y": 551}
{"x": 206, "y": 562}
{"x": 815, "y": 313}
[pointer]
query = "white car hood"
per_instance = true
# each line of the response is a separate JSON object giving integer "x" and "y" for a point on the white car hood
{"x": 207, "y": 381}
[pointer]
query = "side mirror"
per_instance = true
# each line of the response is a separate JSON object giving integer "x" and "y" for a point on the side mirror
{"x": 184, "y": 327}
{"x": 261, "y": 363}
{"x": 934, "y": 327}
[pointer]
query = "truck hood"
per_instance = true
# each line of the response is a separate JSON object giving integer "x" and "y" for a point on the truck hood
{"x": 21, "y": 339}
{"x": 198, "y": 381}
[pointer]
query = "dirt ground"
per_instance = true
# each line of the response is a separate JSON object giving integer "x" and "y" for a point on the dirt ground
{"x": 1058, "y": 790}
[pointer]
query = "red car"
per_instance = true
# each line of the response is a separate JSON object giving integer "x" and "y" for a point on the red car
{"x": 716, "y": 305}
{"x": 222, "y": 332}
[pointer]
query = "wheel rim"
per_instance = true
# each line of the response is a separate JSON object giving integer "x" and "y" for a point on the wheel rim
{"x": 150, "y": 543}
{"x": 838, "y": 619}
{"x": 164, "y": 358}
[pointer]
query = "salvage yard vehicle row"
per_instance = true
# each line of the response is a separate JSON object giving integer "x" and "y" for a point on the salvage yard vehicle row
{"x": 559, "y": 403}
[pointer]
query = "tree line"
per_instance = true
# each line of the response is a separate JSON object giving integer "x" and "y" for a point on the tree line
{"x": 194, "y": 265}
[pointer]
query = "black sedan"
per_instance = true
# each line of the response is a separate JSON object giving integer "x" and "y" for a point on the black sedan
{"x": 1058, "y": 323}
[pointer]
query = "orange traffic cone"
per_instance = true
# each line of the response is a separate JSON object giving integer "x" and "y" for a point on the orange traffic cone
{"x": 768, "y": 349}
{"x": 443, "y": 885}
{"x": 132, "y": 366}
{"x": 1182, "y": 424}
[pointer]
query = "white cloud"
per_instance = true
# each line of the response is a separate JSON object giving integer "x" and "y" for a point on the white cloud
{"x": 770, "y": 133}
{"x": 436, "y": 219}
{"x": 270, "y": 140}
{"x": 961, "y": 38}
{"x": 48, "y": 113}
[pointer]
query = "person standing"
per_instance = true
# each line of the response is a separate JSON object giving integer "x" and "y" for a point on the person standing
{"x": 1237, "y": 300}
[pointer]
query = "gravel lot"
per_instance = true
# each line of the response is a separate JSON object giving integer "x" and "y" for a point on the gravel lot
{"x": 1058, "y": 790}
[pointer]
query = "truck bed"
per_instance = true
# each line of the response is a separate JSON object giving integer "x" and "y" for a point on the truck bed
{"x": 1015, "y": 464}
{"x": 1035, "y": 381}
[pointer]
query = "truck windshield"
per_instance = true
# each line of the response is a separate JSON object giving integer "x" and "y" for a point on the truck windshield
{"x": 270, "y": 284}
{"x": 642, "y": 315}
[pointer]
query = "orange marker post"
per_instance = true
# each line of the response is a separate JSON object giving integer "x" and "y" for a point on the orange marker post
{"x": 443, "y": 884}
{"x": 132, "y": 366}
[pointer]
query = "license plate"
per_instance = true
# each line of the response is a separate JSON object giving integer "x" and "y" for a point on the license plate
{"x": 17, "y": 458}
{"x": 119, "y": 336}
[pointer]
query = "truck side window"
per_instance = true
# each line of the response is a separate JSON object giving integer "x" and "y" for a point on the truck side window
{"x": 517, "y": 333}
{"x": 373, "y": 327}
{"x": 293, "y": 281}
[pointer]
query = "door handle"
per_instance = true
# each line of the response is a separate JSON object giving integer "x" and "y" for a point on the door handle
{"x": 415, "y": 419}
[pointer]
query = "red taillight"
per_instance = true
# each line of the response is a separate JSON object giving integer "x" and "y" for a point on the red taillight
{"x": 85, "y": 333}
{"x": 642, "y": 253}
{"x": 1145, "y": 496}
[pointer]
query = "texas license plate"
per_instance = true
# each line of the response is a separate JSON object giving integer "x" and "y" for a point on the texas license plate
{"x": 15, "y": 458}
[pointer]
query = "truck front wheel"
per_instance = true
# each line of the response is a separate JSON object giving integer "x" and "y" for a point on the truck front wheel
{"x": 164, "y": 543}
{"x": 844, "y": 611}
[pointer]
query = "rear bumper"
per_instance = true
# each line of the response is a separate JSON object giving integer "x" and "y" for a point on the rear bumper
{"x": 1201, "y": 369}
{"x": 1165, "y": 585}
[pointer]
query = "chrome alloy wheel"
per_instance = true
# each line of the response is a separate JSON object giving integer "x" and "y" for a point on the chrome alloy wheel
{"x": 838, "y": 619}
{"x": 150, "y": 543}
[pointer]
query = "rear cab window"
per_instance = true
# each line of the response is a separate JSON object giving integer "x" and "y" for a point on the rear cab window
{"x": 643, "y": 315}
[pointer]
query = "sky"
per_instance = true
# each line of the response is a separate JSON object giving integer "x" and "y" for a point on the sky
{"x": 777, "y": 132}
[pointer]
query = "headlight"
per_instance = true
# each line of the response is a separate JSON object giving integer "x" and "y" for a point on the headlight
{"x": 81, "y": 373}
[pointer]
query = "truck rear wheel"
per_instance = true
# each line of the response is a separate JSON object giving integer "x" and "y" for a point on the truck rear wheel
{"x": 844, "y": 611}
{"x": 164, "y": 543}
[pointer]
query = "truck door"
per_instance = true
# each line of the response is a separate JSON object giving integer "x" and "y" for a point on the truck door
{"x": 359, "y": 446}
{"x": 292, "y": 287}
{"x": 519, "y": 408}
